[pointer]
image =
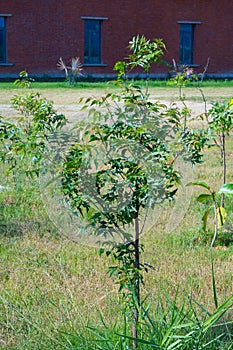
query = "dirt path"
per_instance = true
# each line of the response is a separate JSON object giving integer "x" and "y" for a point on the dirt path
{"x": 66, "y": 100}
{"x": 74, "y": 113}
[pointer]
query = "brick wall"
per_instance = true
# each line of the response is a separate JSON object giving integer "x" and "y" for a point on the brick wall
{"x": 39, "y": 32}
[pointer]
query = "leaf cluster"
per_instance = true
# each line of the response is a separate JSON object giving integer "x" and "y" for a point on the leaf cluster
{"x": 220, "y": 117}
{"x": 144, "y": 53}
{"x": 194, "y": 141}
{"x": 135, "y": 171}
{"x": 24, "y": 81}
{"x": 27, "y": 138}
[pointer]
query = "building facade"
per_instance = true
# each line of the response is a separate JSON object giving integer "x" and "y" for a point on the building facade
{"x": 35, "y": 34}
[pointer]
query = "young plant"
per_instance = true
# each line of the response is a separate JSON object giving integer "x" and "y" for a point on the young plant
{"x": 113, "y": 175}
{"x": 72, "y": 71}
{"x": 219, "y": 218}
{"x": 26, "y": 137}
{"x": 219, "y": 211}
{"x": 220, "y": 122}
{"x": 24, "y": 81}
{"x": 198, "y": 81}
{"x": 143, "y": 53}
{"x": 122, "y": 165}
{"x": 182, "y": 76}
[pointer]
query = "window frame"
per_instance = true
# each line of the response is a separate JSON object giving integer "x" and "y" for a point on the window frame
{"x": 186, "y": 53}
{"x": 88, "y": 61}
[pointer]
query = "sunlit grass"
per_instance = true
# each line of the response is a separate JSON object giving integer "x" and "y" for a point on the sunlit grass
{"x": 85, "y": 84}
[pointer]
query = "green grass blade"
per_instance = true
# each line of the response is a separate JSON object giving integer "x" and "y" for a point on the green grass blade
{"x": 219, "y": 312}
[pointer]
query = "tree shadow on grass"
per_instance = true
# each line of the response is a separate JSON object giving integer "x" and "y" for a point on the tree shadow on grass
{"x": 11, "y": 229}
{"x": 20, "y": 229}
{"x": 17, "y": 226}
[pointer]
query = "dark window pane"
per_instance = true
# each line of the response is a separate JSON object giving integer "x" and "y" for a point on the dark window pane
{"x": 2, "y": 22}
{"x": 92, "y": 49}
{"x": 186, "y": 43}
{"x": 2, "y": 40}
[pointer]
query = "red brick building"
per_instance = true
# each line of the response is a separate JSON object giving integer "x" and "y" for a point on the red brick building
{"x": 35, "y": 34}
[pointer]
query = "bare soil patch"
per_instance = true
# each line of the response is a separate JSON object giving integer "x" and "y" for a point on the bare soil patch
{"x": 67, "y": 100}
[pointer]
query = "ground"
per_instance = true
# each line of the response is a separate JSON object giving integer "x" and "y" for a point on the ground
{"x": 66, "y": 99}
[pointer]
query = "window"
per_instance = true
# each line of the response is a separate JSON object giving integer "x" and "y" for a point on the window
{"x": 2, "y": 39}
{"x": 186, "y": 42}
{"x": 93, "y": 40}
{"x": 3, "y": 43}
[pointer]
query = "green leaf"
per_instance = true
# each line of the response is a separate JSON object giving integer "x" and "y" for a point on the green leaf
{"x": 227, "y": 189}
{"x": 203, "y": 197}
{"x": 205, "y": 218}
{"x": 221, "y": 216}
{"x": 199, "y": 183}
{"x": 230, "y": 103}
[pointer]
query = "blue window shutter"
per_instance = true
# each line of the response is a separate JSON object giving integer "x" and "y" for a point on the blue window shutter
{"x": 2, "y": 40}
{"x": 92, "y": 41}
{"x": 186, "y": 43}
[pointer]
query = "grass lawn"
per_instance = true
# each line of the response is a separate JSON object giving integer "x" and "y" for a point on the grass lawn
{"x": 55, "y": 293}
